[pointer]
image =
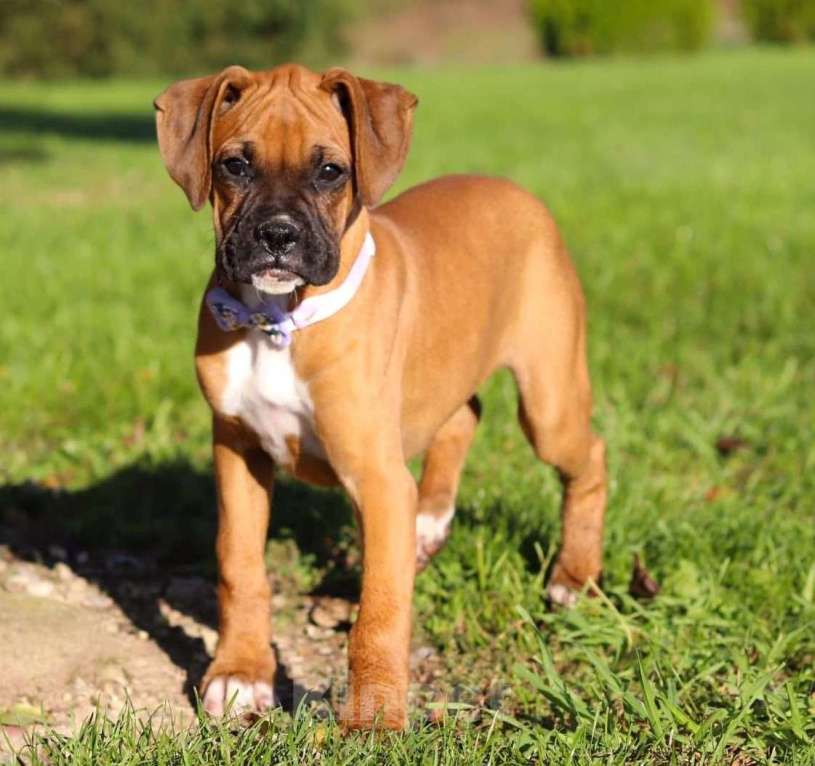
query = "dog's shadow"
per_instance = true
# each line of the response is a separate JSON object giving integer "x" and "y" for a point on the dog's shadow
{"x": 132, "y": 127}
{"x": 145, "y": 531}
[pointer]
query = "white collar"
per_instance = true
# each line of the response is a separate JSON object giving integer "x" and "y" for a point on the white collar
{"x": 231, "y": 314}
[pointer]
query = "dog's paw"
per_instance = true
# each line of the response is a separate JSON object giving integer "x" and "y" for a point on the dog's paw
{"x": 234, "y": 695}
{"x": 432, "y": 530}
{"x": 561, "y": 595}
{"x": 565, "y": 589}
{"x": 239, "y": 687}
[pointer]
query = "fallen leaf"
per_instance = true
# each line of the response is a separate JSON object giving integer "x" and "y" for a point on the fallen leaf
{"x": 712, "y": 494}
{"x": 136, "y": 435}
{"x": 438, "y": 709}
{"x": 727, "y": 445}
{"x": 21, "y": 714}
{"x": 642, "y": 585}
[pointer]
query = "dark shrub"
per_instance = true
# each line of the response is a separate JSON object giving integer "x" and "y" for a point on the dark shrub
{"x": 584, "y": 27}
{"x": 101, "y": 37}
{"x": 780, "y": 21}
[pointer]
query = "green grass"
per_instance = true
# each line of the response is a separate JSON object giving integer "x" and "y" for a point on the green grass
{"x": 685, "y": 190}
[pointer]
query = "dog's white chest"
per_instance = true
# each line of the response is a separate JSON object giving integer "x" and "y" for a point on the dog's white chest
{"x": 263, "y": 390}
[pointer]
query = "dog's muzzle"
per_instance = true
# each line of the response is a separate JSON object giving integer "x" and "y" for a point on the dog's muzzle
{"x": 279, "y": 250}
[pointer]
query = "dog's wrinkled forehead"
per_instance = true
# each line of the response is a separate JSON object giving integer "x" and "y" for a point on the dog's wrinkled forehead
{"x": 284, "y": 113}
{"x": 288, "y": 111}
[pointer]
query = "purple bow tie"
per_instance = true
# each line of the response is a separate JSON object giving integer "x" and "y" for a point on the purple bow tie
{"x": 230, "y": 314}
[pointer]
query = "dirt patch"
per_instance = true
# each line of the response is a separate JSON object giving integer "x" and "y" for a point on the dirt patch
{"x": 438, "y": 31}
{"x": 90, "y": 634}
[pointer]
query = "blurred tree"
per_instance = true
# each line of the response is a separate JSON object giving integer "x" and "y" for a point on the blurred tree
{"x": 55, "y": 38}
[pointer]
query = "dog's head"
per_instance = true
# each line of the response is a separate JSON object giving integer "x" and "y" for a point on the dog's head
{"x": 287, "y": 157}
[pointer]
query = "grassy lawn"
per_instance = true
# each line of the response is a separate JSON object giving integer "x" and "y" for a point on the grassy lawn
{"x": 685, "y": 189}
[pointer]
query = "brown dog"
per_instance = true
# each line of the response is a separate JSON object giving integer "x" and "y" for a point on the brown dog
{"x": 469, "y": 276}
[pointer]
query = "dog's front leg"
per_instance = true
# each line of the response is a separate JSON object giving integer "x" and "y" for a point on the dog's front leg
{"x": 378, "y": 653}
{"x": 243, "y": 670}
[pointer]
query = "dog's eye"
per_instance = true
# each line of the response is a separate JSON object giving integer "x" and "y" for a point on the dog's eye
{"x": 329, "y": 173}
{"x": 236, "y": 166}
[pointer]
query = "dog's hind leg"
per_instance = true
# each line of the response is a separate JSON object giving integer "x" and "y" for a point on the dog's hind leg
{"x": 555, "y": 412}
{"x": 441, "y": 472}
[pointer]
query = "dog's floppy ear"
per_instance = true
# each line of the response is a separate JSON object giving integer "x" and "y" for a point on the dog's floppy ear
{"x": 380, "y": 117}
{"x": 184, "y": 121}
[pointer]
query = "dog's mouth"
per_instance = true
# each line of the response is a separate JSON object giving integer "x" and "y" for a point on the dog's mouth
{"x": 276, "y": 281}
{"x": 312, "y": 262}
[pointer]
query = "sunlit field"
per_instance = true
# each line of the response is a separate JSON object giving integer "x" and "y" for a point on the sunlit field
{"x": 685, "y": 189}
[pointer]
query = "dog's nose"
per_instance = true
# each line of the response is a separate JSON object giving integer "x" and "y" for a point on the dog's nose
{"x": 279, "y": 235}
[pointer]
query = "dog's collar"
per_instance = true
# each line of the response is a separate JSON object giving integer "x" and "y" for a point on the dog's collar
{"x": 230, "y": 314}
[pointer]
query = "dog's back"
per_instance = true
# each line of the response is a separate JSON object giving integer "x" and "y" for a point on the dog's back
{"x": 486, "y": 258}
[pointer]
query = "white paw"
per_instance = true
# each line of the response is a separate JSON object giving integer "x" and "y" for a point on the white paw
{"x": 562, "y": 595}
{"x": 232, "y": 695}
{"x": 431, "y": 533}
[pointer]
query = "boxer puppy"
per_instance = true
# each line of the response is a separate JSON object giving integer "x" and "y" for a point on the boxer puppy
{"x": 338, "y": 339}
